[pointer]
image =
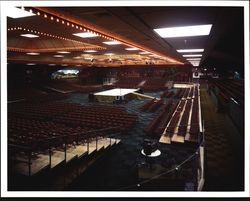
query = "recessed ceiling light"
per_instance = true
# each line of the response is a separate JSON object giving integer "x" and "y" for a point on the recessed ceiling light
{"x": 194, "y": 59}
{"x": 33, "y": 53}
{"x": 109, "y": 53}
{"x": 197, "y": 30}
{"x": 88, "y": 58}
{"x": 14, "y": 12}
{"x": 63, "y": 52}
{"x": 192, "y": 55}
{"x": 90, "y": 51}
{"x": 85, "y": 35}
{"x": 29, "y": 35}
{"x": 190, "y": 50}
{"x": 144, "y": 52}
{"x": 30, "y": 64}
{"x": 112, "y": 42}
{"x": 131, "y": 48}
{"x": 58, "y": 55}
{"x": 52, "y": 64}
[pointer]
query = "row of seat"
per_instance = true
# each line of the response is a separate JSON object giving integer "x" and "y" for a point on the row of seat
{"x": 157, "y": 125}
{"x": 230, "y": 88}
{"x": 147, "y": 105}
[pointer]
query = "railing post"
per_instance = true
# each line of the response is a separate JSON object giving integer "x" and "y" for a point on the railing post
{"x": 65, "y": 149}
{"x": 50, "y": 153}
{"x": 96, "y": 142}
{"x": 29, "y": 158}
{"x": 88, "y": 144}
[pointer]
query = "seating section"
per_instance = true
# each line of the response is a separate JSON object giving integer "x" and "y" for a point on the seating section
{"x": 229, "y": 88}
{"x": 128, "y": 82}
{"x": 178, "y": 117}
{"x": 33, "y": 125}
{"x": 37, "y": 133}
{"x": 181, "y": 77}
{"x": 33, "y": 95}
{"x": 65, "y": 87}
{"x": 147, "y": 105}
{"x": 154, "y": 84}
{"x": 194, "y": 127}
{"x": 157, "y": 126}
{"x": 99, "y": 117}
{"x": 167, "y": 94}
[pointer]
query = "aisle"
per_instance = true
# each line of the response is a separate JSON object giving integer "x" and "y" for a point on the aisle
{"x": 223, "y": 166}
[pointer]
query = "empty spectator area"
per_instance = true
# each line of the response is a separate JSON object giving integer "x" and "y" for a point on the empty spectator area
{"x": 129, "y": 82}
{"x": 65, "y": 130}
{"x": 65, "y": 87}
{"x": 154, "y": 84}
{"x": 178, "y": 119}
{"x": 227, "y": 89}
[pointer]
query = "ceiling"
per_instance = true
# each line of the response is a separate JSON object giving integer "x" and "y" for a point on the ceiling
{"x": 133, "y": 27}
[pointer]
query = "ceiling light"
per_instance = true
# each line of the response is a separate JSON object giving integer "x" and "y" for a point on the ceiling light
{"x": 63, "y": 52}
{"x": 131, "y": 48}
{"x": 197, "y": 30}
{"x": 109, "y": 54}
{"x": 78, "y": 57}
{"x": 193, "y": 59}
{"x": 64, "y": 64}
{"x": 190, "y": 50}
{"x": 29, "y": 35}
{"x": 90, "y": 51}
{"x": 14, "y": 12}
{"x": 58, "y": 55}
{"x": 30, "y": 64}
{"x": 192, "y": 55}
{"x": 85, "y": 35}
{"x": 112, "y": 42}
{"x": 52, "y": 64}
{"x": 88, "y": 58}
{"x": 33, "y": 53}
{"x": 144, "y": 52}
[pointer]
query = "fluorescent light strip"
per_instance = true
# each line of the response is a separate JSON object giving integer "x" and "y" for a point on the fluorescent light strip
{"x": 52, "y": 64}
{"x": 29, "y": 35}
{"x": 112, "y": 42}
{"x": 190, "y": 50}
{"x": 109, "y": 54}
{"x": 197, "y": 30}
{"x": 14, "y": 12}
{"x": 85, "y": 35}
{"x": 63, "y": 52}
{"x": 193, "y": 59}
{"x": 30, "y": 64}
{"x": 192, "y": 55}
{"x": 33, "y": 53}
{"x": 131, "y": 48}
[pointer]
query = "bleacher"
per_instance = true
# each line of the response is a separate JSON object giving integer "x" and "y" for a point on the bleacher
{"x": 128, "y": 82}
{"x": 37, "y": 128}
{"x": 227, "y": 89}
{"x": 154, "y": 84}
{"x": 65, "y": 87}
{"x": 179, "y": 119}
